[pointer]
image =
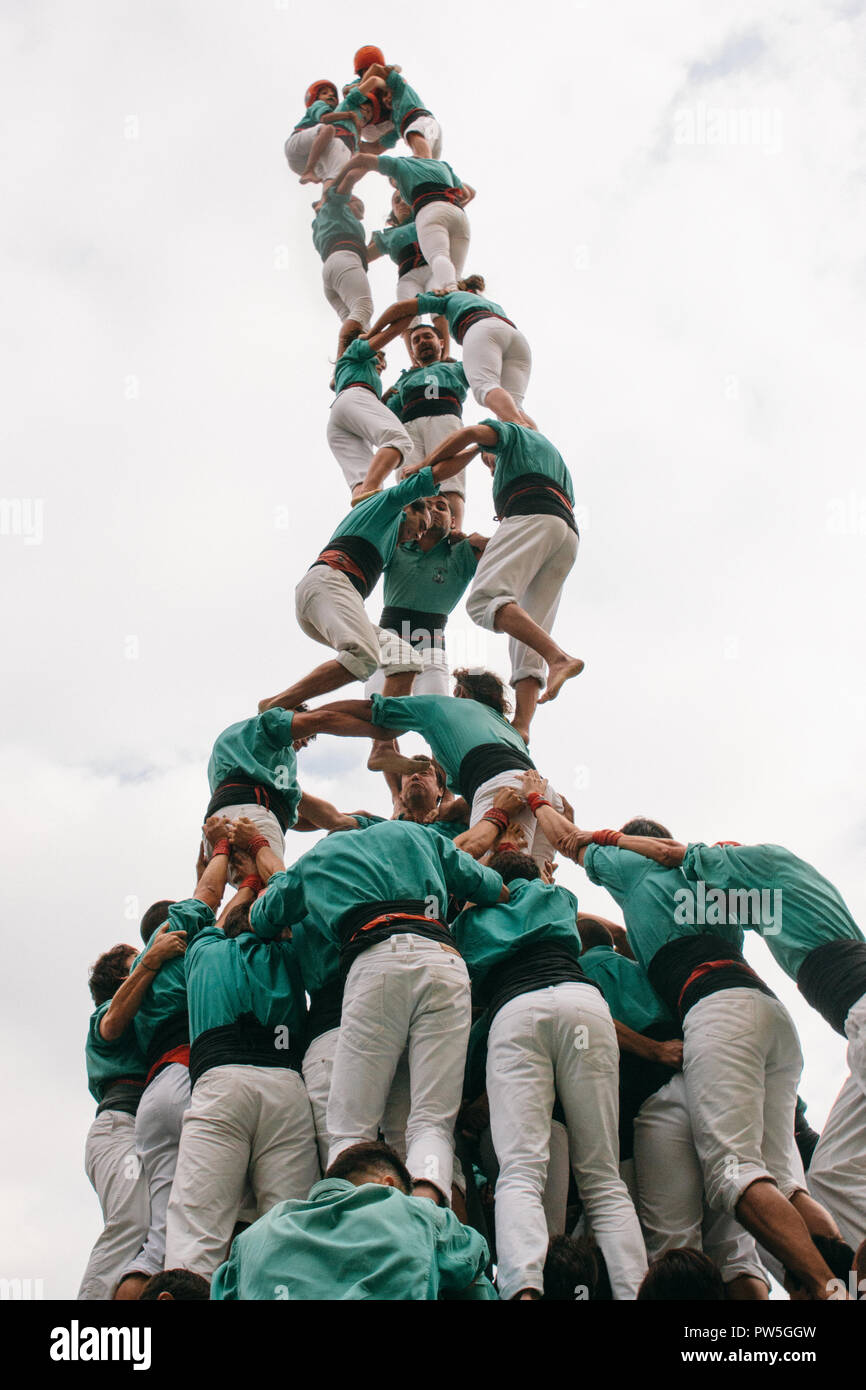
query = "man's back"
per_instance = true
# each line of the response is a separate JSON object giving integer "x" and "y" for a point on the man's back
{"x": 353, "y": 1242}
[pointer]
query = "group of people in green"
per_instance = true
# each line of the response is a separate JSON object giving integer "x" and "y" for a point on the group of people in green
{"x": 404, "y": 1063}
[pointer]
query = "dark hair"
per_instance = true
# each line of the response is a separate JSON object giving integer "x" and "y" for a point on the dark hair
{"x": 156, "y": 914}
{"x": 641, "y": 826}
{"x": 511, "y": 864}
{"x": 485, "y": 687}
{"x": 108, "y": 972}
{"x": 419, "y": 505}
{"x": 859, "y": 1262}
{"x": 180, "y": 1283}
{"x": 593, "y": 933}
{"x": 682, "y": 1275}
{"x": 441, "y": 776}
{"x": 237, "y": 920}
{"x": 374, "y": 1158}
{"x": 473, "y": 284}
{"x": 571, "y": 1265}
{"x": 835, "y": 1252}
{"x": 431, "y": 327}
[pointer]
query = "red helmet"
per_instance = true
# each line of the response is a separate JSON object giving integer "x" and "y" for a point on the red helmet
{"x": 376, "y": 105}
{"x": 314, "y": 88}
{"x": 368, "y": 55}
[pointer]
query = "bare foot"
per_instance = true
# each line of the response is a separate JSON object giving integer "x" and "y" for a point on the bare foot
{"x": 389, "y": 760}
{"x": 310, "y": 176}
{"x": 558, "y": 674}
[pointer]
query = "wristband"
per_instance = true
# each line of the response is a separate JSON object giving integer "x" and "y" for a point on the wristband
{"x": 508, "y": 847}
{"x": 534, "y": 800}
{"x": 221, "y": 847}
{"x": 496, "y": 817}
{"x": 251, "y": 881}
{"x": 606, "y": 837}
{"x": 259, "y": 842}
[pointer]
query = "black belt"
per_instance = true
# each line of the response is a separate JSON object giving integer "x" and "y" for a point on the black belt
{"x": 416, "y": 623}
{"x": 244, "y": 1043}
{"x": 238, "y": 790}
{"x": 466, "y": 320}
{"x": 371, "y": 923}
{"x": 345, "y": 244}
{"x": 436, "y": 405}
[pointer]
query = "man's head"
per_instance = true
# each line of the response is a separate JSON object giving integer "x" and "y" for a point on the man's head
{"x": 322, "y": 90}
{"x": 682, "y": 1276}
{"x": 400, "y": 209}
{"x": 483, "y": 686}
{"x": 510, "y": 865}
{"x": 237, "y": 920}
{"x": 156, "y": 914}
{"x": 176, "y": 1284}
{"x": 836, "y": 1254}
{"x": 422, "y": 790}
{"x": 570, "y": 1270}
{"x": 425, "y": 344}
{"x": 356, "y": 207}
{"x": 372, "y": 1162}
{"x": 108, "y": 973}
{"x": 441, "y": 518}
{"x": 641, "y": 826}
{"x": 416, "y": 520}
{"x": 593, "y": 933}
{"x": 366, "y": 57}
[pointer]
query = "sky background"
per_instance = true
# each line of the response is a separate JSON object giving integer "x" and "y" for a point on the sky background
{"x": 670, "y": 206}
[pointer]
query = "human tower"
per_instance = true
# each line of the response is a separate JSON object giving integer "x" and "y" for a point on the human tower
{"x": 420, "y": 982}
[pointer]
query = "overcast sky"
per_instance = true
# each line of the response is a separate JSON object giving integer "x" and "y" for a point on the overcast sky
{"x": 670, "y": 205}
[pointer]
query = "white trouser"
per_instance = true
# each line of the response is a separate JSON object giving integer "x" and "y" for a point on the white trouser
{"x": 837, "y": 1173}
{"x": 558, "y": 1041}
{"x": 434, "y": 678}
{"x": 431, "y": 130}
{"x": 741, "y": 1065}
{"x": 266, "y": 824}
{"x": 527, "y": 561}
{"x": 331, "y": 611}
{"x": 318, "y": 1069}
{"x": 670, "y": 1189}
{"x": 496, "y": 354}
{"x": 406, "y": 993}
{"x": 410, "y": 285}
{"x": 443, "y": 236}
{"x": 358, "y": 425}
{"x": 240, "y": 1117}
{"x": 157, "y": 1136}
{"x": 538, "y": 847}
{"x": 347, "y": 288}
{"x": 115, "y": 1172}
{"x": 427, "y": 432}
{"x": 328, "y": 166}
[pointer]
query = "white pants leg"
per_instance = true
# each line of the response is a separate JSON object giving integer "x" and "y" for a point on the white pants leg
{"x": 443, "y": 236}
{"x": 116, "y": 1174}
{"x": 527, "y": 561}
{"x": 347, "y": 288}
{"x": 318, "y": 1069}
{"x": 495, "y": 353}
{"x": 433, "y": 679}
{"x": 405, "y": 993}
{"x": 413, "y": 283}
{"x": 266, "y": 824}
{"x": 837, "y": 1173}
{"x": 430, "y": 129}
{"x": 239, "y": 1117}
{"x": 742, "y": 1064}
{"x": 554, "y": 1198}
{"x": 331, "y": 611}
{"x": 538, "y": 847}
{"x": 559, "y": 1040}
{"x": 157, "y": 1136}
{"x": 427, "y": 432}
{"x": 328, "y": 166}
{"x": 359, "y": 425}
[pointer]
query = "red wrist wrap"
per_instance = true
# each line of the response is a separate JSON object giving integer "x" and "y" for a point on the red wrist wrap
{"x": 496, "y": 816}
{"x": 534, "y": 800}
{"x": 252, "y": 881}
{"x": 221, "y": 847}
{"x": 255, "y": 845}
{"x": 508, "y": 847}
{"x": 607, "y": 837}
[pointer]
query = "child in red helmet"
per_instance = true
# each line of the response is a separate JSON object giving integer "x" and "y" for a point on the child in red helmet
{"x": 320, "y": 99}
{"x": 362, "y": 105}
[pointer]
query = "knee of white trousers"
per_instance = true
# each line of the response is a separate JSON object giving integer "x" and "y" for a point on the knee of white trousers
{"x": 397, "y": 438}
{"x": 403, "y": 666}
{"x": 728, "y": 1179}
{"x": 482, "y": 390}
{"x": 430, "y": 1158}
{"x": 482, "y": 608}
{"x": 530, "y": 670}
{"x": 360, "y": 661}
{"x": 361, "y": 310}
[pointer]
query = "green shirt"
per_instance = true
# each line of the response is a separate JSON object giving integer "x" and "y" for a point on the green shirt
{"x": 430, "y": 383}
{"x": 348, "y": 1242}
{"x": 387, "y": 862}
{"x": 230, "y": 976}
{"x": 536, "y": 912}
{"x": 626, "y": 987}
{"x": 378, "y": 519}
{"x": 167, "y": 994}
{"x": 451, "y": 727}
{"x": 519, "y": 450}
{"x": 651, "y": 899}
{"x": 109, "y": 1061}
{"x": 793, "y": 907}
{"x": 393, "y": 241}
{"x": 335, "y": 222}
{"x": 313, "y": 115}
{"x": 358, "y": 364}
{"x": 317, "y": 954}
{"x": 431, "y": 581}
{"x": 261, "y": 749}
{"x": 404, "y": 100}
{"x": 456, "y": 304}
{"x": 413, "y": 176}
{"x": 352, "y": 102}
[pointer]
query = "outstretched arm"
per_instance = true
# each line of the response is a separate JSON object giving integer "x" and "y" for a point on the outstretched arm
{"x": 212, "y": 884}
{"x": 670, "y": 1053}
{"x": 395, "y": 313}
{"x": 449, "y": 457}
{"x": 314, "y": 813}
{"x": 670, "y": 853}
{"x": 164, "y": 945}
{"x": 357, "y": 167}
{"x": 558, "y": 830}
{"x": 337, "y": 720}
